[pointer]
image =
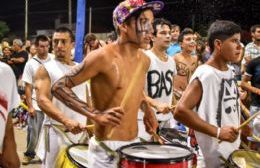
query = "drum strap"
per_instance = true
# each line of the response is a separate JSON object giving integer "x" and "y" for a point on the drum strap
{"x": 112, "y": 154}
{"x": 59, "y": 128}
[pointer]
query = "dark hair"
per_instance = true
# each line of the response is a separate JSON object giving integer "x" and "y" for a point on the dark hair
{"x": 184, "y": 32}
{"x": 160, "y": 21}
{"x": 222, "y": 30}
{"x": 174, "y": 26}
{"x": 254, "y": 27}
{"x": 65, "y": 30}
{"x": 90, "y": 37}
{"x": 41, "y": 38}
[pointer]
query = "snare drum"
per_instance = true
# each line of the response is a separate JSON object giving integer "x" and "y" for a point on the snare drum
{"x": 74, "y": 157}
{"x": 154, "y": 155}
{"x": 244, "y": 159}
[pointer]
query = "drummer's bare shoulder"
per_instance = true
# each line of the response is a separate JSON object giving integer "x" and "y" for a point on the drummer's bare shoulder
{"x": 96, "y": 62}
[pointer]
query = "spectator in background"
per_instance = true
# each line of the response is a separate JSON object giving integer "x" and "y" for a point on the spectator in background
{"x": 252, "y": 50}
{"x": 27, "y": 46}
{"x": 4, "y": 43}
{"x": 92, "y": 43}
{"x": 6, "y": 54}
{"x": 18, "y": 58}
{"x": 200, "y": 51}
{"x": 174, "y": 47}
{"x": 32, "y": 51}
{"x": 36, "y": 116}
{"x": 111, "y": 37}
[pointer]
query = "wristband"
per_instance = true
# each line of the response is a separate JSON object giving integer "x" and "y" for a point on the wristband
{"x": 218, "y": 132}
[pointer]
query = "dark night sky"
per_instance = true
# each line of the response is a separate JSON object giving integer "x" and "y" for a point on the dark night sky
{"x": 42, "y": 13}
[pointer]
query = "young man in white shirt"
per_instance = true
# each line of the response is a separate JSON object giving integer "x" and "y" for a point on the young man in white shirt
{"x": 213, "y": 94}
{"x": 36, "y": 116}
{"x": 159, "y": 78}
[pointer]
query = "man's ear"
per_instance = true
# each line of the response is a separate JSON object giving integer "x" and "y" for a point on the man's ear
{"x": 123, "y": 27}
{"x": 217, "y": 44}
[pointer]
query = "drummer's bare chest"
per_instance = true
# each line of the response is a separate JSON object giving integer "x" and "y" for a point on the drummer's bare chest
{"x": 120, "y": 75}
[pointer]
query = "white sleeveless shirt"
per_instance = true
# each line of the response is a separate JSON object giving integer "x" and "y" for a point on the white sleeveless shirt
{"x": 56, "y": 70}
{"x": 159, "y": 82}
{"x": 219, "y": 106}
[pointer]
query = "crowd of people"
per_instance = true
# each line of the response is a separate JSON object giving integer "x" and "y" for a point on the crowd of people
{"x": 146, "y": 76}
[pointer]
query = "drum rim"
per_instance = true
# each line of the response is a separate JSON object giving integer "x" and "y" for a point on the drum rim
{"x": 230, "y": 158}
{"x": 155, "y": 160}
{"x": 70, "y": 157}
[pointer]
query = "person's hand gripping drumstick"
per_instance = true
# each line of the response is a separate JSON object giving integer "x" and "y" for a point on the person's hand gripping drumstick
{"x": 230, "y": 133}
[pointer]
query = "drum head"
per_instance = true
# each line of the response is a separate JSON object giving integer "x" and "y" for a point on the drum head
{"x": 155, "y": 153}
{"x": 78, "y": 154}
{"x": 246, "y": 159}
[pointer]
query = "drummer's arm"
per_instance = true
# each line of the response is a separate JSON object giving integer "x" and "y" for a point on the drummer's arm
{"x": 43, "y": 96}
{"x": 150, "y": 121}
{"x": 184, "y": 113}
{"x": 9, "y": 156}
{"x": 247, "y": 86}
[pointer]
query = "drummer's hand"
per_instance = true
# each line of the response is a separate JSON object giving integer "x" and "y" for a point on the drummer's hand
{"x": 73, "y": 126}
{"x": 228, "y": 133}
{"x": 111, "y": 116}
{"x": 163, "y": 108}
{"x": 31, "y": 111}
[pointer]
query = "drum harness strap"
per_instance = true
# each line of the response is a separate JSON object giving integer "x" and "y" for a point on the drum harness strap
{"x": 60, "y": 129}
{"x": 111, "y": 153}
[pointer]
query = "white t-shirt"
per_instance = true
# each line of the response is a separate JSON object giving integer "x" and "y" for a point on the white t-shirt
{"x": 219, "y": 106}
{"x": 29, "y": 71}
{"x": 56, "y": 70}
{"x": 9, "y": 97}
{"x": 159, "y": 82}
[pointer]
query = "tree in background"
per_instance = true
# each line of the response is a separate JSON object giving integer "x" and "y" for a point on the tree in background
{"x": 4, "y": 29}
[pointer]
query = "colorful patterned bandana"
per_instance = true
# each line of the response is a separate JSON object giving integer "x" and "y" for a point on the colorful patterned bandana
{"x": 126, "y": 8}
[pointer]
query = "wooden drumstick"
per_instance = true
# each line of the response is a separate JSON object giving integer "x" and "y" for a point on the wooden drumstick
{"x": 256, "y": 138}
{"x": 132, "y": 84}
{"x": 246, "y": 122}
{"x": 244, "y": 109}
{"x": 130, "y": 89}
{"x": 24, "y": 105}
{"x": 157, "y": 138}
{"x": 173, "y": 107}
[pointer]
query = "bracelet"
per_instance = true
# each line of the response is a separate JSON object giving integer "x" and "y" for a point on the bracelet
{"x": 218, "y": 132}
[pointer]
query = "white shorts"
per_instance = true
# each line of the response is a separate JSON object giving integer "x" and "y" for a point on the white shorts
{"x": 99, "y": 158}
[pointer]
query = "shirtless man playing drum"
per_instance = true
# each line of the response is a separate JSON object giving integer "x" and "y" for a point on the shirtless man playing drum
{"x": 111, "y": 69}
{"x": 185, "y": 62}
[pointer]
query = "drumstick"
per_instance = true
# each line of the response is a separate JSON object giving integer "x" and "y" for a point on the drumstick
{"x": 130, "y": 89}
{"x": 157, "y": 138}
{"x": 244, "y": 109}
{"x": 132, "y": 84}
{"x": 173, "y": 107}
{"x": 170, "y": 107}
{"x": 246, "y": 122}
{"x": 256, "y": 138}
{"x": 23, "y": 105}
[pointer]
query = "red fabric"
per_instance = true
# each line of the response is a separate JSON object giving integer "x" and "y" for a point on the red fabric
{"x": 132, "y": 164}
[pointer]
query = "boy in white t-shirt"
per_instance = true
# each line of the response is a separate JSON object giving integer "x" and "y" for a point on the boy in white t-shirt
{"x": 9, "y": 99}
{"x": 213, "y": 94}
